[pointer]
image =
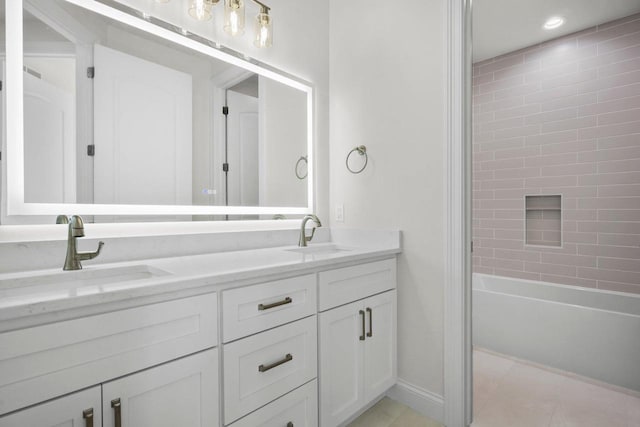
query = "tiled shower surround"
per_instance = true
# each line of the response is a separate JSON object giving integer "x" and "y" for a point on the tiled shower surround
{"x": 561, "y": 118}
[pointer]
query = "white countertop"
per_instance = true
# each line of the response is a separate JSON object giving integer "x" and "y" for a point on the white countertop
{"x": 22, "y": 297}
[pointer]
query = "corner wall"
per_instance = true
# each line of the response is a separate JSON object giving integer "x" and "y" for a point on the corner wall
{"x": 562, "y": 118}
{"x": 387, "y": 91}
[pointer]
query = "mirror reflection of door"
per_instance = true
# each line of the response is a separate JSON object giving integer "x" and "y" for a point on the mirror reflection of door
{"x": 142, "y": 131}
{"x": 49, "y": 132}
{"x": 242, "y": 144}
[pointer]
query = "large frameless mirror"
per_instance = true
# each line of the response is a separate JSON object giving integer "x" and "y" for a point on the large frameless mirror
{"x": 130, "y": 117}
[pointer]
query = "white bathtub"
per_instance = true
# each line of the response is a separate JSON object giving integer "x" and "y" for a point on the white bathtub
{"x": 589, "y": 332}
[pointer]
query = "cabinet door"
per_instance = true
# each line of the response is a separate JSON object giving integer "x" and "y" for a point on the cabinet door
{"x": 180, "y": 393}
{"x": 380, "y": 345}
{"x": 341, "y": 370}
{"x": 80, "y": 409}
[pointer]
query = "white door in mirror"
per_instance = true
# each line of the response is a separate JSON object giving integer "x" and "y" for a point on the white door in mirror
{"x": 49, "y": 143}
{"x": 143, "y": 131}
{"x": 242, "y": 150}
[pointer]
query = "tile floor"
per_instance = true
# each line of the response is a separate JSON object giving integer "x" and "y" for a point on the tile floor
{"x": 508, "y": 393}
{"x": 389, "y": 413}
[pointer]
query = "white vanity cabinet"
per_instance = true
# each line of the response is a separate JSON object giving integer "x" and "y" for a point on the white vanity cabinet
{"x": 151, "y": 357}
{"x": 298, "y": 409}
{"x": 74, "y": 410}
{"x": 180, "y": 393}
{"x": 313, "y": 349}
{"x": 282, "y": 353}
{"x": 357, "y": 340}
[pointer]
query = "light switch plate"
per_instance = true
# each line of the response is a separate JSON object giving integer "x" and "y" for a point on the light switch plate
{"x": 340, "y": 213}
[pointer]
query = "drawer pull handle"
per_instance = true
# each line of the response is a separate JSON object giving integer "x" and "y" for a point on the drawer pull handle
{"x": 370, "y": 333}
{"x": 87, "y": 414}
{"x": 265, "y": 368}
{"x": 362, "y": 315}
{"x": 117, "y": 415}
{"x": 289, "y": 424}
{"x": 285, "y": 301}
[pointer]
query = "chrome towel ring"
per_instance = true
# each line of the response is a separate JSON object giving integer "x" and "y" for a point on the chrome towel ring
{"x": 362, "y": 150}
{"x": 301, "y": 159}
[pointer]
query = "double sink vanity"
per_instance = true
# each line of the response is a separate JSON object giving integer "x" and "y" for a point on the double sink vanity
{"x": 282, "y": 336}
{"x": 165, "y": 124}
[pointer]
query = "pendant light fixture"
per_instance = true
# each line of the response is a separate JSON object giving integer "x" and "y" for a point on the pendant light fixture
{"x": 263, "y": 27}
{"x": 234, "y": 18}
{"x": 200, "y": 10}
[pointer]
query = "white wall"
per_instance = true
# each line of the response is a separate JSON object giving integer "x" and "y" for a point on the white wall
{"x": 387, "y": 92}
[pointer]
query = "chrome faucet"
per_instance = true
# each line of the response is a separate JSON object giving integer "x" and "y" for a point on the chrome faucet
{"x": 76, "y": 229}
{"x": 303, "y": 237}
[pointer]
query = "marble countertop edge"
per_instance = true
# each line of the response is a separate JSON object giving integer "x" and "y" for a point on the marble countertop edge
{"x": 187, "y": 275}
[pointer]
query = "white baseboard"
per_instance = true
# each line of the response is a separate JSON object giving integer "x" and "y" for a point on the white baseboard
{"x": 423, "y": 401}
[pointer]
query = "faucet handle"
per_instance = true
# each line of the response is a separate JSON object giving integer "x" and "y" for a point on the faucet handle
{"x": 313, "y": 231}
{"x": 62, "y": 219}
{"x": 84, "y": 256}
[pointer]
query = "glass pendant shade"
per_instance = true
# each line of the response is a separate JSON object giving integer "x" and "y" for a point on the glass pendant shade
{"x": 264, "y": 31}
{"x": 200, "y": 10}
{"x": 234, "y": 17}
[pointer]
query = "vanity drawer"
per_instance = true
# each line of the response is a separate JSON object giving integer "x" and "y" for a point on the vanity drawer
{"x": 43, "y": 362}
{"x": 256, "y": 308}
{"x": 263, "y": 367}
{"x": 298, "y": 408}
{"x": 344, "y": 285}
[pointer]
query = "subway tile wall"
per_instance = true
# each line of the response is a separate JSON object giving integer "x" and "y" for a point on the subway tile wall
{"x": 562, "y": 117}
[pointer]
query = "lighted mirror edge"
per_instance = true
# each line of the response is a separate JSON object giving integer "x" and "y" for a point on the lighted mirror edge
{"x": 14, "y": 192}
{"x": 222, "y": 52}
{"x": 97, "y": 209}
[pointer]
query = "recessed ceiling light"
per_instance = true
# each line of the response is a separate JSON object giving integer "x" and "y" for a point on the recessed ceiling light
{"x": 553, "y": 22}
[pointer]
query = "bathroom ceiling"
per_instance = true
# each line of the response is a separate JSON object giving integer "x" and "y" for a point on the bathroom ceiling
{"x": 502, "y": 26}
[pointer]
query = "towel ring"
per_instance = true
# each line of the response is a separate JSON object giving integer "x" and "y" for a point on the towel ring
{"x": 302, "y": 159}
{"x": 362, "y": 150}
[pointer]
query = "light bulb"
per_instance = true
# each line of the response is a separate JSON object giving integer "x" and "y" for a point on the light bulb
{"x": 234, "y": 17}
{"x": 264, "y": 30}
{"x": 264, "y": 35}
{"x": 200, "y": 10}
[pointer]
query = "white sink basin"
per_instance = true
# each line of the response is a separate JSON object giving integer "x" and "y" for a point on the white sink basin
{"x": 319, "y": 250}
{"x": 93, "y": 276}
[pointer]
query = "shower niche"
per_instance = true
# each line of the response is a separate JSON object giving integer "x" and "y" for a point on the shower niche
{"x": 543, "y": 220}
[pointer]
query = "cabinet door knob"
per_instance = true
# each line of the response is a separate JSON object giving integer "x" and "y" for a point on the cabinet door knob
{"x": 265, "y": 368}
{"x": 87, "y": 414}
{"x": 117, "y": 414}
{"x": 370, "y": 333}
{"x": 289, "y": 424}
{"x": 362, "y": 315}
